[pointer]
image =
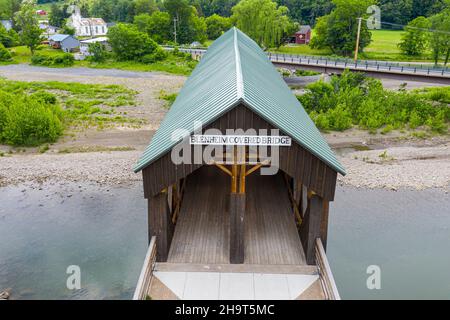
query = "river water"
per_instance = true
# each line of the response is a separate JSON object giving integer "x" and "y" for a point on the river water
{"x": 104, "y": 231}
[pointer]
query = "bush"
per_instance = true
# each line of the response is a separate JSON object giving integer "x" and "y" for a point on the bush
{"x": 158, "y": 55}
{"x": 353, "y": 98}
{"x": 128, "y": 43}
{"x": 27, "y": 121}
{"x": 64, "y": 59}
{"x": 97, "y": 52}
{"x": 4, "y": 53}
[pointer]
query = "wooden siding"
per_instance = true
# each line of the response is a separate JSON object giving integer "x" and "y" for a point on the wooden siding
{"x": 296, "y": 161}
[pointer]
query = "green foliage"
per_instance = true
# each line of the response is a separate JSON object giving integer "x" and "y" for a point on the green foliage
{"x": 27, "y": 22}
{"x": 27, "y": 121}
{"x": 157, "y": 25}
{"x": 4, "y": 54}
{"x": 128, "y": 43}
{"x": 8, "y": 38}
{"x": 415, "y": 39}
{"x": 440, "y": 41}
{"x": 58, "y": 14}
{"x": 97, "y": 52}
{"x": 168, "y": 97}
{"x": 189, "y": 26}
{"x": 264, "y": 21}
{"x": 144, "y": 6}
{"x": 158, "y": 54}
{"x": 66, "y": 29}
{"x": 216, "y": 25}
{"x": 338, "y": 30}
{"x": 30, "y": 115}
{"x": 353, "y": 99}
{"x": 59, "y": 60}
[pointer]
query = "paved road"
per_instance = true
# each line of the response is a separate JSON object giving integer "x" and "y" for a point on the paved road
{"x": 80, "y": 71}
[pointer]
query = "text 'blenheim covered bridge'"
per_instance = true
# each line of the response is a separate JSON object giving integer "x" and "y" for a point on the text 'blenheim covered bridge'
{"x": 237, "y": 173}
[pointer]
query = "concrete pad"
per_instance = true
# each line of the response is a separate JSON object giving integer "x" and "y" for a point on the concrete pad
{"x": 298, "y": 283}
{"x": 202, "y": 286}
{"x": 175, "y": 281}
{"x": 271, "y": 287}
{"x": 236, "y": 286}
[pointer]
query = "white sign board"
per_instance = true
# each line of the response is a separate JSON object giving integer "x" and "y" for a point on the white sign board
{"x": 230, "y": 140}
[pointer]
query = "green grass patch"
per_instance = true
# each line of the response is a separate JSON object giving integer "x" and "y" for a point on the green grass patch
{"x": 353, "y": 99}
{"x": 34, "y": 113}
{"x": 168, "y": 97}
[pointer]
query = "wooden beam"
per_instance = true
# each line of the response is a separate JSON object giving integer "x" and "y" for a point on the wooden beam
{"x": 310, "y": 228}
{"x": 160, "y": 224}
{"x": 223, "y": 168}
{"x": 324, "y": 224}
{"x": 237, "y": 215}
{"x": 256, "y": 167}
{"x": 293, "y": 202}
{"x": 242, "y": 179}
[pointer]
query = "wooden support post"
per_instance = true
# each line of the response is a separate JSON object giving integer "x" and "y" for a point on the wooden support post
{"x": 324, "y": 224}
{"x": 237, "y": 214}
{"x": 160, "y": 225}
{"x": 310, "y": 228}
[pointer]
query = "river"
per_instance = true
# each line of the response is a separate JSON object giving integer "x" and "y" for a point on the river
{"x": 104, "y": 232}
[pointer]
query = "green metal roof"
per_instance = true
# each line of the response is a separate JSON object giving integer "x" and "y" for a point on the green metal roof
{"x": 235, "y": 70}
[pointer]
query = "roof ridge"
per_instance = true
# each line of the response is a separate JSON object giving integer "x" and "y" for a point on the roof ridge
{"x": 239, "y": 78}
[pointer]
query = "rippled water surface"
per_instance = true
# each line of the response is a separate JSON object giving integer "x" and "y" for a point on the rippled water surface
{"x": 104, "y": 231}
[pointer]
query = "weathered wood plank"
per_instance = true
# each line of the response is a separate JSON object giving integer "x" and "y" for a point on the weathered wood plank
{"x": 310, "y": 228}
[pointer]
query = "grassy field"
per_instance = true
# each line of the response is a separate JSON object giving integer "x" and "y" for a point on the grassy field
{"x": 383, "y": 47}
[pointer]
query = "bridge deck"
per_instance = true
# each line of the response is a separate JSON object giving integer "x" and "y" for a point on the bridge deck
{"x": 202, "y": 232}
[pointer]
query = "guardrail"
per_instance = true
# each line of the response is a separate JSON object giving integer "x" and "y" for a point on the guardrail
{"x": 346, "y": 63}
{"x": 380, "y": 66}
{"x": 325, "y": 274}
{"x": 143, "y": 286}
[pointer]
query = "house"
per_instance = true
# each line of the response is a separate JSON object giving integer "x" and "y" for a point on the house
{"x": 41, "y": 12}
{"x": 84, "y": 44}
{"x": 7, "y": 24}
{"x": 86, "y": 27}
{"x": 65, "y": 42}
{"x": 302, "y": 36}
{"x": 48, "y": 30}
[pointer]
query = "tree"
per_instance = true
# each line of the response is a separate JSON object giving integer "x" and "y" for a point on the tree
{"x": 57, "y": 15}
{"x": 440, "y": 36}
{"x": 157, "y": 25}
{"x": 144, "y": 6}
{"x": 102, "y": 9}
{"x": 97, "y": 52}
{"x": 8, "y": 8}
{"x": 128, "y": 43}
{"x": 189, "y": 26}
{"x": 415, "y": 38}
{"x": 307, "y": 11}
{"x": 26, "y": 20}
{"x": 216, "y": 25}
{"x": 396, "y": 11}
{"x": 66, "y": 29}
{"x": 263, "y": 21}
{"x": 337, "y": 31}
{"x": 8, "y": 38}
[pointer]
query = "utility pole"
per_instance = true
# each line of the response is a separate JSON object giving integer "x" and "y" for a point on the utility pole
{"x": 357, "y": 39}
{"x": 175, "y": 20}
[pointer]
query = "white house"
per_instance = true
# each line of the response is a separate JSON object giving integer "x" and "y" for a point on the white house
{"x": 84, "y": 44}
{"x": 86, "y": 27}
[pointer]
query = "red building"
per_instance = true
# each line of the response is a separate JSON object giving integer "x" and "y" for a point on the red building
{"x": 302, "y": 36}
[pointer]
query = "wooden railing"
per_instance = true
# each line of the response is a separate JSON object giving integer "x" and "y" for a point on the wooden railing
{"x": 326, "y": 276}
{"x": 144, "y": 282}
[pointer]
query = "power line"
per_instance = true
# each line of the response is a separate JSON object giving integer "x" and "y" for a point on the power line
{"x": 407, "y": 27}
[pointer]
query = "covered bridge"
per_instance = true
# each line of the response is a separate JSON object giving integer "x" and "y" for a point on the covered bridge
{"x": 224, "y": 209}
